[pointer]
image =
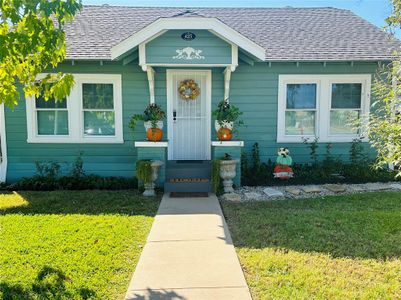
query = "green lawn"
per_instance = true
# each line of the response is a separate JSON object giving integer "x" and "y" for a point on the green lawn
{"x": 345, "y": 247}
{"x": 71, "y": 244}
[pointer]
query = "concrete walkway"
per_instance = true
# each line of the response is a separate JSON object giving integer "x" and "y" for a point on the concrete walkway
{"x": 189, "y": 255}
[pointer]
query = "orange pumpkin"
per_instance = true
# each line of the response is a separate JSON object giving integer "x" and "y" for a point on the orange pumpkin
{"x": 154, "y": 134}
{"x": 224, "y": 134}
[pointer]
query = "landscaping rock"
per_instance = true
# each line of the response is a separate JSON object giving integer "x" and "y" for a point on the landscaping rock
{"x": 311, "y": 189}
{"x": 376, "y": 187}
{"x": 336, "y": 188}
{"x": 273, "y": 193}
{"x": 252, "y": 196}
{"x": 293, "y": 191}
{"x": 396, "y": 186}
{"x": 232, "y": 197}
{"x": 357, "y": 188}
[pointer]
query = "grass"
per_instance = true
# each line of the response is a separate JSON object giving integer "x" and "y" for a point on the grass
{"x": 71, "y": 244}
{"x": 342, "y": 247}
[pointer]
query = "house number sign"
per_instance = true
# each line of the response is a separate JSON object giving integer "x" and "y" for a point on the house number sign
{"x": 188, "y": 36}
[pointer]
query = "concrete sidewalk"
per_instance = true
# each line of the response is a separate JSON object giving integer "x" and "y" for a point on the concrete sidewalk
{"x": 188, "y": 255}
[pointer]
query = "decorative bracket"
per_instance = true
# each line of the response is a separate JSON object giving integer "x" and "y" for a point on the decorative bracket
{"x": 227, "y": 79}
{"x": 151, "y": 79}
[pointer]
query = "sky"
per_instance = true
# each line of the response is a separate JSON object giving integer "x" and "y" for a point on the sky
{"x": 374, "y": 11}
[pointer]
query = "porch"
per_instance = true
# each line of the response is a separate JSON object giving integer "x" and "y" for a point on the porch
{"x": 188, "y": 175}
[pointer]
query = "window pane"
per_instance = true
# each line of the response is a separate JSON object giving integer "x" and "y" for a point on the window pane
{"x": 97, "y": 96}
{"x": 52, "y": 123}
{"x": 346, "y": 95}
{"x": 51, "y": 103}
{"x": 301, "y": 95}
{"x": 342, "y": 121}
{"x": 99, "y": 123}
{"x": 300, "y": 123}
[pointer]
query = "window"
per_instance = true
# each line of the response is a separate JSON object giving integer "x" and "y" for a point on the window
{"x": 91, "y": 114}
{"x": 51, "y": 117}
{"x": 98, "y": 109}
{"x": 346, "y": 106}
{"x": 322, "y": 106}
{"x": 300, "y": 109}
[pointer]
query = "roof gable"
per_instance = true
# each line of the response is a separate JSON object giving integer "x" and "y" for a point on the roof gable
{"x": 188, "y": 23}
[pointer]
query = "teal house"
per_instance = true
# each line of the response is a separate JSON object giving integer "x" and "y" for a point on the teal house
{"x": 295, "y": 73}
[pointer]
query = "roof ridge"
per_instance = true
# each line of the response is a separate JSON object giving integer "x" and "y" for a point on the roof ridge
{"x": 219, "y": 7}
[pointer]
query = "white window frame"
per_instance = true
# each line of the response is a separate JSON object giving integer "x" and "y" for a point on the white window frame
{"x": 76, "y": 113}
{"x": 323, "y": 105}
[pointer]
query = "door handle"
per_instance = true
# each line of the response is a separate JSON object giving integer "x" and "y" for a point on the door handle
{"x": 174, "y": 115}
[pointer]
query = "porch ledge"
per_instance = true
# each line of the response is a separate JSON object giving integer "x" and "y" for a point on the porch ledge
{"x": 228, "y": 143}
{"x": 149, "y": 144}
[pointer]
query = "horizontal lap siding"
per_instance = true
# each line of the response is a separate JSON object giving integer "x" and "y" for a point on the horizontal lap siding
{"x": 163, "y": 48}
{"x": 101, "y": 159}
{"x": 254, "y": 89}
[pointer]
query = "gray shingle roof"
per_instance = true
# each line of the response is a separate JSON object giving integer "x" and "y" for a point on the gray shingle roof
{"x": 286, "y": 33}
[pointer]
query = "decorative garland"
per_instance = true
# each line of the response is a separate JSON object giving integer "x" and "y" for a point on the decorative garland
{"x": 189, "y": 89}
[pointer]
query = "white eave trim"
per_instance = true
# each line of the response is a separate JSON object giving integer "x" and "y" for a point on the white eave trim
{"x": 187, "y": 23}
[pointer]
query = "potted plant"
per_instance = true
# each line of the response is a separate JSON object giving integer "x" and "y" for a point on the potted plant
{"x": 152, "y": 117}
{"x": 147, "y": 172}
{"x": 227, "y": 118}
{"x": 228, "y": 172}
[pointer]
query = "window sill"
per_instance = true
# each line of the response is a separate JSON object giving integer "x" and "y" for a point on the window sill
{"x": 60, "y": 140}
{"x": 330, "y": 139}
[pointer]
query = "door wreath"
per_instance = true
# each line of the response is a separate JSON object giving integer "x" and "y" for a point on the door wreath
{"x": 188, "y": 89}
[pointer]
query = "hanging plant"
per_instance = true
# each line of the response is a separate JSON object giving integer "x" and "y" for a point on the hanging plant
{"x": 144, "y": 171}
{"x": 188, "y": 89}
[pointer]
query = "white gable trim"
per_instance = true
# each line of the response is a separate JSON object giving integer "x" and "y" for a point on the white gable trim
{"x": 187, "y": 23}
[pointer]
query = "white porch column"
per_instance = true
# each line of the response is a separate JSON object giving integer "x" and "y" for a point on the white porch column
{"x": 227, "y": 78}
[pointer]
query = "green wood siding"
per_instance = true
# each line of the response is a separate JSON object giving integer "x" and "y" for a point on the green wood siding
{"x": 162, "y": 49}
{"x": 253, "y": 88}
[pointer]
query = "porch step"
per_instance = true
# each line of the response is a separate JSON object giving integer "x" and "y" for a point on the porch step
{"x": 188, "y": 176}
{"x": 195, "y": 187}
{"x": 188, "y": 169}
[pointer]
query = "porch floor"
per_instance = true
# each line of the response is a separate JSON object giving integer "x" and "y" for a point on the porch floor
{"x": 189, "y": 255}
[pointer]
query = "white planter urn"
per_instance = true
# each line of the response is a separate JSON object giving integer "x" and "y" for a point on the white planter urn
{"x": 148, "y": 125}
{"x": 224, "y": 124}
{"x": 228, "y": 173}
{"x": 150, "y": 186}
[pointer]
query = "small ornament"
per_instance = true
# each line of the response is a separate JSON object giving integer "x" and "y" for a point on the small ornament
{"x": 283, "y": 169}
{"x": 188, "y": 90}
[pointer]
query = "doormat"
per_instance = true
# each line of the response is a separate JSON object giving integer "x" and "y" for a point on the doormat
{"x": 189, "y": 195}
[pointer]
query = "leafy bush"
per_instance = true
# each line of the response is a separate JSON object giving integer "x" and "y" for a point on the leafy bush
{"x": 330, "y": 170}
{"x": 47, "y": 178}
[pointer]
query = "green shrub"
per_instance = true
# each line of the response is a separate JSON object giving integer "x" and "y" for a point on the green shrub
{"x": 331, "y": 170}
{"x": 47, "y": 178}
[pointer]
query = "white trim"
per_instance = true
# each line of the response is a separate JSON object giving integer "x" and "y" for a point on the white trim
{"x": 187, "y": 23}
{"x": 75, "y": 113}
{"x": 149, "y": 144}
{"x": 228, "y": 143}
{"x": 323, "y": 104}
{"x": 234, "y": 57}
{"x": 3, "y": 161}
{"x": 227, "y": 79}
{"x": 151, "y": 81}
{"x": 170, "y": 94}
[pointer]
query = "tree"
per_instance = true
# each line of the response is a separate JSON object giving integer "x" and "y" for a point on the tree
{"x": 383, "y": 125}
{"x": 32, "y": 40}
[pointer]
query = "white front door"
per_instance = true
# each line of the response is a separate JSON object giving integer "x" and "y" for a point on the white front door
{"x": 3, "y": 147}
{"x": 189, "y": 120}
